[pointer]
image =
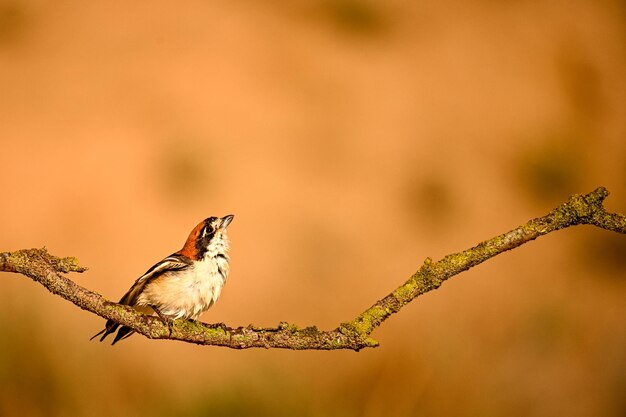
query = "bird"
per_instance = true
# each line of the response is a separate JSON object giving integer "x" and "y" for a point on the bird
{"x": 183, "y": 285}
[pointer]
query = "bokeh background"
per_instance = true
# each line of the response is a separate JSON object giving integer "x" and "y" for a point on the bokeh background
{"x": 351, "y": 139}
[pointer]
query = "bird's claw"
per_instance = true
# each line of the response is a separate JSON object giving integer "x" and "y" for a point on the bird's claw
{"x": 166, "y": 320}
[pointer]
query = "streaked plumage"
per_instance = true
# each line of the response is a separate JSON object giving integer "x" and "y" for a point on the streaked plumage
{"x": 184, "y": 284}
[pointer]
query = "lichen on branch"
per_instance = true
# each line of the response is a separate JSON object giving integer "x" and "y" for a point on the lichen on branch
{"x": 48, "y": 270}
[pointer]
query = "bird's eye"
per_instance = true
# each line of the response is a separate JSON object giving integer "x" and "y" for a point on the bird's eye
{"x": 208, "y": 229}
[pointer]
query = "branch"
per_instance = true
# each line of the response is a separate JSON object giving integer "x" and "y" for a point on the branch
{"x": 46, "y": 269}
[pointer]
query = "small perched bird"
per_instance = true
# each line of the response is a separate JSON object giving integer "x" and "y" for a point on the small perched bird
{"x": 186, "y": 283}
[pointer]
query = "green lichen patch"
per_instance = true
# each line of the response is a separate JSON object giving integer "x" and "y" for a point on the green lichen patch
{"x": 30, "y": 261}
{"x": 283, "y": 325}
{"x": 197, "y": 327}
{"x": 406, "y": 292}
{"x": 22, "y": 261}
{"x": 69, "y": 264}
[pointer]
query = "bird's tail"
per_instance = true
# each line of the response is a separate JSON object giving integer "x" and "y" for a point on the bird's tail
{"x": 111, "y": 327}
{"x": 124, "y": 331}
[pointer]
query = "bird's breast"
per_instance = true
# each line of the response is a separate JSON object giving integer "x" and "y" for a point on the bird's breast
{"x": 187, "y": 293}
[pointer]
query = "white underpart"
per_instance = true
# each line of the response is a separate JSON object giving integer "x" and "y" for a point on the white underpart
{"x": 190, "y": 292}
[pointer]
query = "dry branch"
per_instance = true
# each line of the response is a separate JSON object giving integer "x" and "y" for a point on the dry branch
{"x": 46, "y": 269}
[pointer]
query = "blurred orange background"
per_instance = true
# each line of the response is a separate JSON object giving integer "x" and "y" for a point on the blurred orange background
{"x": 351, "y": 139}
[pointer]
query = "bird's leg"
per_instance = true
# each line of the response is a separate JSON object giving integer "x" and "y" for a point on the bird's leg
{"x": 166, "y": 320}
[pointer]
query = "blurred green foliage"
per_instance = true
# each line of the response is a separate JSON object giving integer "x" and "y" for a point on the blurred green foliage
{"x": 13, "y": 21}
{"x": 552, "y": 168}
{"x": 257, "y": 395}
{"x": 604, "y": 251}
{"x": 364, "y": 17}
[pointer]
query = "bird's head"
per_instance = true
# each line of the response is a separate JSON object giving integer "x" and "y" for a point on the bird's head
{"x": 208, "y": 238}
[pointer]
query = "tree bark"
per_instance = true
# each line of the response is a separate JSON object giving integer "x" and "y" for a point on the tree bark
{"x": 48, "y": 270}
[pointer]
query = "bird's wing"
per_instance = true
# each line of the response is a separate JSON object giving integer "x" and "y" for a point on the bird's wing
{"x": 171, "y": 263}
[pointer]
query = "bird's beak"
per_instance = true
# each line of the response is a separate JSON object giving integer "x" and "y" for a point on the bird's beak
{"x": 226, "y": 221}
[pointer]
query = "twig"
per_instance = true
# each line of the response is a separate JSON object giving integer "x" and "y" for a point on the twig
{"x": 46, "y": 269}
